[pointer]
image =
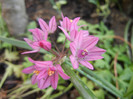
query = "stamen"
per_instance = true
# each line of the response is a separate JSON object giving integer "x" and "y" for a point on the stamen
{"x": 36, "y": 72}
{"x": 85, "y": 52}
{"x": 50, "y": 72}
{"x": 71, "y": 20}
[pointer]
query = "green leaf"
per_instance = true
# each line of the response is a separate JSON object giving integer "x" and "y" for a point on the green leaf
{"x": 11, "y": 56}
{"x": 15, "y": 42}
{"x": 100, "y": 81}
{"x": 32, "y": 25}
{"x": 80, "y": 86}
{"x": 19, "y": 43}
{"x": 126, "y": 74}
{"x": 129, "y": 92}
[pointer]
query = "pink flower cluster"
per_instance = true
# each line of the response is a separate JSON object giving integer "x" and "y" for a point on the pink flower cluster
{"x": 82, "y": 46}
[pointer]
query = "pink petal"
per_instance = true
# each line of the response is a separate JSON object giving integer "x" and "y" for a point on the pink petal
{"x": 89, "y": 42}
{"x": 66, "y": 34}
{"x": 85, "y": 33}
{"x": 31, "y": 43}
{"x": 43, "y": 25}
{"x": 40, "y": 83}
{"x": 28, "y": 70}
{"x": 42, "y": 74}
{"x": 54, "y": 80}
{"x": 74, "y": 62}
{"x": 45, "y": 83}
{"x": 92, "y": 58}
{"x": 45, "y": 45}
{"x": 73, "y": 48}
{"x": 37, "y": 34}
{"x": 78, "y": 40}
{"x": 31, "y": 60}
{"x": 61, "y": 73}
{"x": 73, "y": 34}
{"x": 34, "y": 51}
{"x": 95, "y": 51}
{"x": 33, "y": 79}
{"x": 43, "y": 64}
{"x": 86, "y": 64}
{"x": 74, "y": 24}
{"x": 52, "y": 25}
{"x": 62, "y": 15}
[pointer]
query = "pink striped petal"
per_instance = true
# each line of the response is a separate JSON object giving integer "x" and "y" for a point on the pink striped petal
{"x": 42, "y": 74}
{"x": 37, "y": 34}
{"x": 95, "y": 51}
{"x": 73, "y": 34}
{"x": 28, "y": 70}
{"x": 45, "y": 45}
{"x": 34, "y": 79}
{"x": 66, "y": 34}
{"x": 54, "y": 80}
{"x": 74, "y": 62}
{"x": 78, "y": 40}
{"x": 31, "y": 60}
{"x": 73, "y": 48}
{"x": 31, "y": 43}
{"x": 46, "y": 83}
{"x": 86, "y": 64}
{"x": 61, "y": 73}
{"x": 92, "y": 58}
{"x": 52, "y": 25}
{"x": 89, "y": 42}
{"x": 43, "y": 25}
{"x": 74, "y": 24}
{"x": 34, "y": 51}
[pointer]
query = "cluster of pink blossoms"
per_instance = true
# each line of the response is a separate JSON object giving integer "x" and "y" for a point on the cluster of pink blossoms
{"x": 82, "y": 46}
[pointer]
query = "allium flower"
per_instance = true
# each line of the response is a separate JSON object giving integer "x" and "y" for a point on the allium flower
{"x": 83, "y": 50}
{"x": 50, "y": 76}
{"x": 45, "y": 74}
{"x": 33, "y": 69}
{"x": 74, "y": 33}
{"x": 48, "y": 28}
{"x": 68, "y": 24}
{"x": 39, "y": 41}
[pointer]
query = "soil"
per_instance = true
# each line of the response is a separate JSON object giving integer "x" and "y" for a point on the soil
{"x": 74, "y": 8}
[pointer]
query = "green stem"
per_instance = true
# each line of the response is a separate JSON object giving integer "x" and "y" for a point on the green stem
{"x": 48, "y": 92}
{"x": 30, "y": 92}
{"x": 62, "y": 92}
{"x": 4, "y": 77}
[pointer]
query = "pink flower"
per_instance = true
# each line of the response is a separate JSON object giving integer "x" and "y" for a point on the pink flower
{"x": 45, "y": 74}
{"x": 52, "y": 25}
{"x": 33, "y": 69}
{"x": 50, "y": 76}
{"x": 74, "y": 33}
{"x": 69, "y": 25}
{"x": 83, "y": 50}
{"x": 39, "y": 41}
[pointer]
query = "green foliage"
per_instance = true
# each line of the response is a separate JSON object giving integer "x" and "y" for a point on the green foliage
{"x": 61, "y": 39}
{"x": 11, "y": 56}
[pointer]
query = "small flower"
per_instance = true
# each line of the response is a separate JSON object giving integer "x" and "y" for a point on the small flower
{"x": 74, "y": 33}
{"x": 39, "y": 41}
{"x": 83, "y": 50}
{"x": 45, "y": 73}
{"x": 50, "y": 76}
{"x": 52, "y": 25}
{"x": 33, "y": 69}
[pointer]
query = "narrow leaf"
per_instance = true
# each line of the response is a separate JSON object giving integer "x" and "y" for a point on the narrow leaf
{"x": 77, "y": 82}
{"x": 19, "y": 43}
{"x": 101, "y": 82}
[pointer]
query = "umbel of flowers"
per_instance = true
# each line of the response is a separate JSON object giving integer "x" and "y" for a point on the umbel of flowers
{"x": 82, "y": 46}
